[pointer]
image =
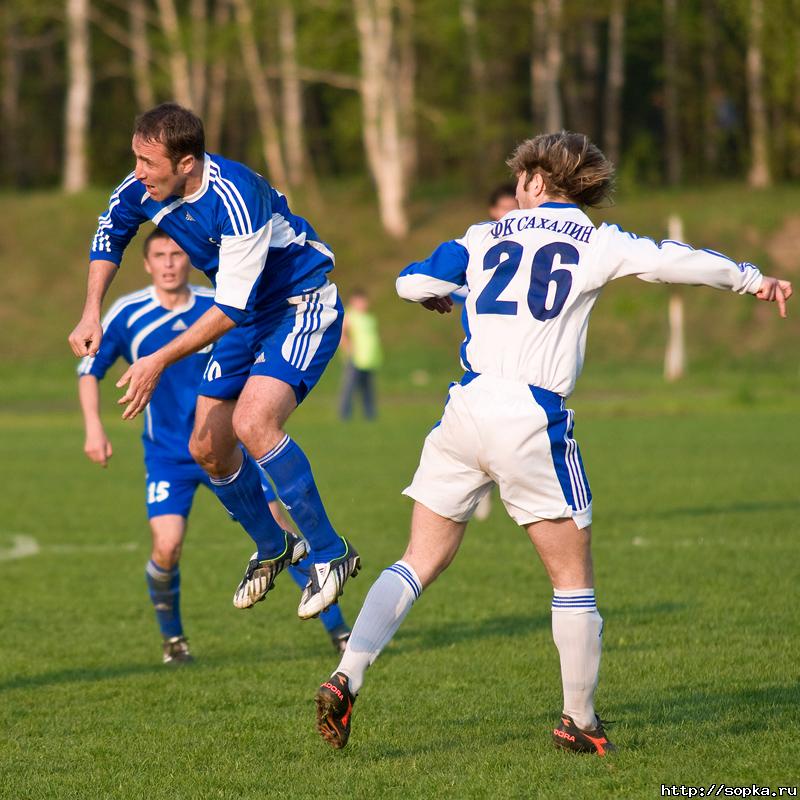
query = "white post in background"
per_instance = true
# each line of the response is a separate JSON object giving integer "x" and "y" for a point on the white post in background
{"x": 675, "y": 354}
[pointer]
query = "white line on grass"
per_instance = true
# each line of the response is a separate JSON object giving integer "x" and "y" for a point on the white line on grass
{"x": 23, "y": 546}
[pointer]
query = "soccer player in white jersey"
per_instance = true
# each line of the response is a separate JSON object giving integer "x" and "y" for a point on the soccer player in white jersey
{"x": 270, "y": 273}
{"x": 136, "y": 325}
{"x": 533, "y": 278}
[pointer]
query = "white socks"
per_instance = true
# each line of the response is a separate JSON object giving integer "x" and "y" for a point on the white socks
{"x": 386, "y": 606}
{"x": 577, "y": 632}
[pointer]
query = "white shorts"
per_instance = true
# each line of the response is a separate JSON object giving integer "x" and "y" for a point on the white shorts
{"x": 517, "y": 436}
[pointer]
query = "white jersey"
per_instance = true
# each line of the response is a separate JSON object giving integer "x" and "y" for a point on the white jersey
{"x": 534, "y": 277}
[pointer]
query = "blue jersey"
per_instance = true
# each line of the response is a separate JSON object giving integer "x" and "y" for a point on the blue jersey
{"x": 236, "y": 228}
{"x": 138, "y": 325}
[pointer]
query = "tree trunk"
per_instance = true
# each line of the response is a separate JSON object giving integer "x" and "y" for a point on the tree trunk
{"x": 759, "y": 175}
{"x": 675, "y": 352}
{"x": 539, "y": 66}
{"x": 76, "y": 167}
{"x": 380, "y": 112}
{"x": 590, "y": 69}
{"x": 478, "y": 93}
{"x": 671, "y": 110}
{"x": 262, "y": 96}
{"x": 710, "y": 87}
{"x": 292, "y": 98}
{"x": 9, "y": 103}
{"x": 178, "y": 63}
{"x": 217, "y": 79}
{"x": 140, "y": 56}
{"x": 199, "y": 29}
{"x": 615, "y": 81}
{"x": 554, "y": 119}
{"x": 406, "y": 78}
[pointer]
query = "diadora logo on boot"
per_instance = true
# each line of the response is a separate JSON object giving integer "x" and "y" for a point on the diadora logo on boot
{"x": 334, "y": 689}
{"x": 563, "y": 735}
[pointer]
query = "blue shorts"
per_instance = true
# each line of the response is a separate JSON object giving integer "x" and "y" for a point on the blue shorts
{"x": 293, "y": 344}
{"x": 170, "y": 487}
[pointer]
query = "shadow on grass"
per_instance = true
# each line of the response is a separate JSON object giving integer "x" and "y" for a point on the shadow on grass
{"x": 754, "y": 706}
{"x": 415, "y": 637}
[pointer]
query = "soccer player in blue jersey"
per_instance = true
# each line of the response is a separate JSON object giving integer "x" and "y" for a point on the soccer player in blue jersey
{"x": 533, "y": 278}
{"x": 270, "y": 272}
{"x": 136, "y": 325}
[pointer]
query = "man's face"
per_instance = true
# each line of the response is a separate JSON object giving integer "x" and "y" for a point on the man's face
{"x": 504, "y": 204}
{"x": 167, "y": 264}
{"x": 155, "y": 170}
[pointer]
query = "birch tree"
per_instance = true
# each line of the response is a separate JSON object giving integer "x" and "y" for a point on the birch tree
{"x": 140, "y": 55}
{"x": 380, "y": 111}
{"x": 218, "y": 77}
{"x": 79, "y": 90}
{"x": 546, "y": 60}
{"x": 759, "y": 175}
{"x": 198, "y": 13}
{"x": 615, "y": 81}
{"x": 178, "y": 62}
{"x": 671, "y": 110}
{"x": 262, "y": 95}
{"x": 9, "y": 101}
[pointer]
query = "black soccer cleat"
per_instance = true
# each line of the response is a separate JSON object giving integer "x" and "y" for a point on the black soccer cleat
{"x": 176, "y": 651}
{"x": 334, "y": 707}
{"x": 259, "y": 577}
{"x": 568, "y": 736}
{"x": 326, "y": 582}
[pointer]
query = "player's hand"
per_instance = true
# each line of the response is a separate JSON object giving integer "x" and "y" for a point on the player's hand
{"x": 98, "y": 448}
{"x": 141, "y": 379}
{"x": 85, "y": 339}
{"x": 444, "y": 305}
{"x": 774, "y": 290}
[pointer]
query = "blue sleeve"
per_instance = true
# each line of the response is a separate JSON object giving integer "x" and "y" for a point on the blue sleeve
{"x": 110, "y": 350}
{"x": 118, "y": 225}
{"x": 437, "y": 276}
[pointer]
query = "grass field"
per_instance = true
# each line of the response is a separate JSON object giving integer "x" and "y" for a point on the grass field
{"x": 697, "y": 567}
{"x": 697, "y": 556}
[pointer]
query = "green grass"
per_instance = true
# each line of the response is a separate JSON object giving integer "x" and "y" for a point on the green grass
{"x": 697, "y": 568}
{"x": 696, "y": 508}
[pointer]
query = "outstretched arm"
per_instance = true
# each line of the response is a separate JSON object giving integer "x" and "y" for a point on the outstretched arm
{"x": 430, "y": 282}
{"x": 143, "y": 375}
{"x": 96, "y": 444}
{"x": 88, "y": 333}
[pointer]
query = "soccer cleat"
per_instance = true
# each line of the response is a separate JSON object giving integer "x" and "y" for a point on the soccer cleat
{"x": 259, "y": 576}
{"x": 569, "y": 736}
{"x": 334, "y": 707}
{"x": 326, "y": 582}
{"x": 176, "y": 651}
{"x": 339, "y": 638}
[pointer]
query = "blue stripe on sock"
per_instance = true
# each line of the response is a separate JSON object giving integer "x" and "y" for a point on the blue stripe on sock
{"x": 408, "y": 573}
{"x": 406, "y": 576}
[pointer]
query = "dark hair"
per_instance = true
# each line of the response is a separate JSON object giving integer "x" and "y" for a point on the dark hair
{"x": 154, "y": 234}
{"x": 177, "y": 128}
{"x": 570, "y": 165}
{"x": 501, "y": 191}
{"x": 359, "y": 291}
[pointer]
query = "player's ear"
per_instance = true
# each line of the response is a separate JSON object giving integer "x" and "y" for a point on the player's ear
{"x": 186, "y": 164}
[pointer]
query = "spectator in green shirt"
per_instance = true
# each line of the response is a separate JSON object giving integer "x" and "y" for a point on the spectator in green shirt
{"x": 361, "y": 346}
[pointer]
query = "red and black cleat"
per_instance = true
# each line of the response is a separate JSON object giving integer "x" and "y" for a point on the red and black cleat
{"x": 334, "y": 706}
{"x": 568, "y": 736}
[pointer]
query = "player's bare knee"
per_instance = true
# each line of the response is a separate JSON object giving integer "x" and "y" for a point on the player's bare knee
{"x": 257, "y": 433}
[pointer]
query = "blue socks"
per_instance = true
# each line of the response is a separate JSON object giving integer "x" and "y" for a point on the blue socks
{"x": 243, "y": 497}
{"x": 288, "y": 468}
{"x": 165, "y": 592}
{"x": 331, "y": 617}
